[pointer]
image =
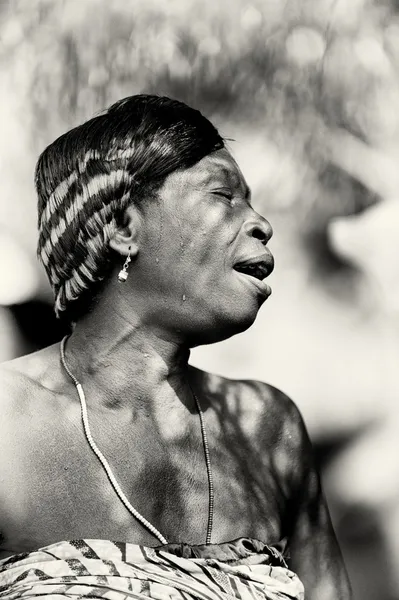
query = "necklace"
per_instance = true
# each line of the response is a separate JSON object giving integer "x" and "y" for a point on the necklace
{"x": 111, "y": 476}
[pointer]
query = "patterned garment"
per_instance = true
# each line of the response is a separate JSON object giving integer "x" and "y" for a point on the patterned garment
{"x": 245, "y": 569}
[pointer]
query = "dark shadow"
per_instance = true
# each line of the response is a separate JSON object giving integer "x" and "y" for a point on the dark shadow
{"x": 37, "y": 324}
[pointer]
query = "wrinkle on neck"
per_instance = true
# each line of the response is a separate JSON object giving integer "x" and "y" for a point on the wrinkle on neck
{"x": 126, "y": 360}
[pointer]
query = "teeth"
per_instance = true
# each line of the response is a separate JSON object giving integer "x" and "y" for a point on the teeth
{"x": 253, "y": 270}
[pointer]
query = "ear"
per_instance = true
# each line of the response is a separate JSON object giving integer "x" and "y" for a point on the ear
{"x": 126, "y": 238}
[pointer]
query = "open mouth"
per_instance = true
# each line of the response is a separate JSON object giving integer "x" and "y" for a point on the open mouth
{"x": 257, "y": 268}
{"x": 257, "y": 271}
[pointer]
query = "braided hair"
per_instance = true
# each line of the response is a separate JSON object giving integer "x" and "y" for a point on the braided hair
{"x": 87, "y": 178}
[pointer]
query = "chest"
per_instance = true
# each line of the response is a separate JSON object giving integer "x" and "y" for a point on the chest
{"x": 57, "y": 488}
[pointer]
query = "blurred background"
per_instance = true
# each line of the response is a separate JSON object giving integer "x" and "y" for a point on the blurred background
{"x": 308, "y": 93}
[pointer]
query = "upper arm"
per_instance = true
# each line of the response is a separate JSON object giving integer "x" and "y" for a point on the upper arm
{"x": 6, "y": 438}
{"x": 15, "y": 389}
{"x": 313, "y": 549}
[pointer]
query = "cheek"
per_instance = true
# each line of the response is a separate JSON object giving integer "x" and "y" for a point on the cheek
{"x": 186, "y": 250}
{"x": 186, "y": 233}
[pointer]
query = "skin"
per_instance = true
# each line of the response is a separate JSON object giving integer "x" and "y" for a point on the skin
{"x": 131, "y": 356}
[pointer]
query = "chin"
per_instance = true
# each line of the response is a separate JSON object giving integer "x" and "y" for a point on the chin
{"x": 225, "y": 326}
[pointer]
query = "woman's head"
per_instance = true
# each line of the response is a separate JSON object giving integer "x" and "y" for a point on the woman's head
{"x": 88, "y": 177}
{"x": 151, "y": 178}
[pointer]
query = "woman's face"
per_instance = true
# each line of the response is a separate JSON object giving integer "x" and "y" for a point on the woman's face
{"x": 194, "y": 243}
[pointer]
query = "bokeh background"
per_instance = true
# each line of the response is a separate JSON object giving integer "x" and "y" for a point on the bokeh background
{"x": 308, "y": 93}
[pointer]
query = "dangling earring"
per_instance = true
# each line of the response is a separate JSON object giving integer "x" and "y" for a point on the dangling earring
{"x": 122, "y": 275}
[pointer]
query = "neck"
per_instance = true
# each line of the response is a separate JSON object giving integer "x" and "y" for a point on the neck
{"x": 127, "y": 362}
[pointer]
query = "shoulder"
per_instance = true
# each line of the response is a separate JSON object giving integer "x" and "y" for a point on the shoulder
{"x": 259, "y": 395}
{"x": 24, "y": 380}
{"x": 271, "y": 413}
{"x": 15, "y": 386}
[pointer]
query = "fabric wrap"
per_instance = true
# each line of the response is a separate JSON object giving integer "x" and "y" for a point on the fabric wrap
{"x": 244, "y": 569}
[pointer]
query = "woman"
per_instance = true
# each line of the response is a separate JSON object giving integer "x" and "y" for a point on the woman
{"x": 152, "y": 247}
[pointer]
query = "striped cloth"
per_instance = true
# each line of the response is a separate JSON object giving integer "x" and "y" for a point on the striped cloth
{"x": 244, "y": 570}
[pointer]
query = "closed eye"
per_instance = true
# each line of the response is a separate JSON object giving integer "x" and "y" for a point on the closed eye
{"x": 224, "y": 194}
{"x": 228, "y": 195}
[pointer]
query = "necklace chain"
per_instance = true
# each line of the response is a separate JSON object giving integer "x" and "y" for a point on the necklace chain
{"x": 108, "y": 470}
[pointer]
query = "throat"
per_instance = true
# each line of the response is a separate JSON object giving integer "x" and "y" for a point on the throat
{"x": 130, "y": 371}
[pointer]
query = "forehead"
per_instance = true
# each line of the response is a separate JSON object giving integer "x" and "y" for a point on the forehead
{"x": 216, "y": 168}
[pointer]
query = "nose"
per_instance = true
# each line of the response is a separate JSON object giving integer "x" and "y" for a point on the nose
{"x": 259, "y": 228}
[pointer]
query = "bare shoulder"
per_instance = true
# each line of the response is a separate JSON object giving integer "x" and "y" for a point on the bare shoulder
{"x": 263, "y": 403}
{"x": 23, "y": 380}
{"x": 270, "y": 418}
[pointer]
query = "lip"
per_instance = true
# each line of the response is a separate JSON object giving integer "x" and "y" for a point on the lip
{"x": 267, "y": 261}
{"x": 261, "y": 285}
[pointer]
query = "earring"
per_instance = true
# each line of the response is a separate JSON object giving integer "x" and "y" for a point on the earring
{"x": 123, "y": 274}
